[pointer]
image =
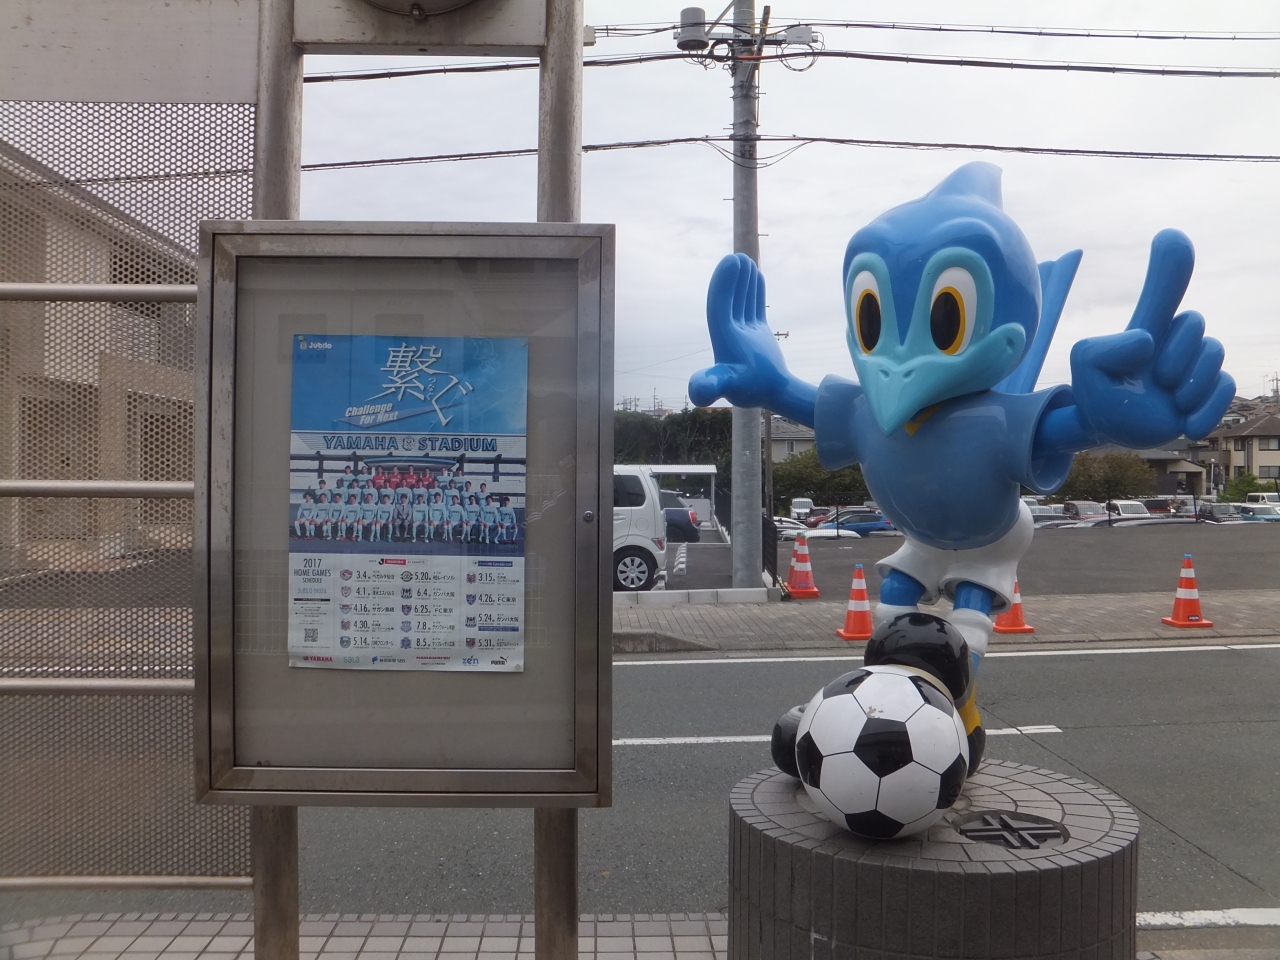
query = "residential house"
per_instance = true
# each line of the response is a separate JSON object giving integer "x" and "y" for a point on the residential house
{"x": 789, "y": 438}
{"x": 1249, "y": 447}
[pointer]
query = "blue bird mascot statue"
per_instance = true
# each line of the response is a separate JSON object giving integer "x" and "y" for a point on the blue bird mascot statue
{"x": 948, "y": 320}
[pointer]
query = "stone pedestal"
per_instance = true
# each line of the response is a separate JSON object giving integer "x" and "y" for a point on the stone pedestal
{"x": 1028, "y": 864}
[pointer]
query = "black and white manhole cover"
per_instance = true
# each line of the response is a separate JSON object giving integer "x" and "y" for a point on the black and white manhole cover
{"x": 1015, "y": 831}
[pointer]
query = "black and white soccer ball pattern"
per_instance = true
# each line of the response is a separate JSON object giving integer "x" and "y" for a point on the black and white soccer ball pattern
{"x": 882, "y": 750}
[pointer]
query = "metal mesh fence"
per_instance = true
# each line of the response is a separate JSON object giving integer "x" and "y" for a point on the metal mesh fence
{"x": 100, "y": 588}
{"x": 101, "y": 785}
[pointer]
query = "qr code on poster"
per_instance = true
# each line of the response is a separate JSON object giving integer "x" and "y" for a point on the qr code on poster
{"x": 311, "y": 635}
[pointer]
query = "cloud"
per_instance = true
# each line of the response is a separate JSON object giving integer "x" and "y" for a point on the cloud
{"x": 674, "y": 221}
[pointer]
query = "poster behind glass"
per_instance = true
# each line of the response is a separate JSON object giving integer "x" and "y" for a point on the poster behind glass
{"x": 407, "y": 503}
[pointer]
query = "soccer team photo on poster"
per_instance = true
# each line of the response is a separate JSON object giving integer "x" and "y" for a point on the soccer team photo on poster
{"x": 407, "y": 502}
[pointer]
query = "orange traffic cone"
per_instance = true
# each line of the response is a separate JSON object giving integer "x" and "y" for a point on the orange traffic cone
{"x": 1186, "y": 600}
{"x": 1012, "y": 621}
{"x": 800, "y": 583}
{"x": 857, "y": 618}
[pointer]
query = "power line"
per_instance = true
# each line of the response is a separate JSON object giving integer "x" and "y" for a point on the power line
{"x": 714, "y": 142}
{"x": 801, "y": 141}
{"x": 624, "y": 60}
{"x": 649, "y": 29}
{"x": 1054, "y": 32}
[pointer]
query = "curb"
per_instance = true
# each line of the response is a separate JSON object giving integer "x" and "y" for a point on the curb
{"x": 655, "y": 641}
{"x": 671, "y": 598}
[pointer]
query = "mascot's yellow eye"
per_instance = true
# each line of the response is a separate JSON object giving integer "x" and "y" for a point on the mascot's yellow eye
{"x": 865, "y": 296}
{"x": 952, "y": 314}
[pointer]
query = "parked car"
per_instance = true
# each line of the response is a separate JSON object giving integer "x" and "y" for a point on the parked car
{"x": 1266, "y": 512}
{"x": 817, "y": 515}
{"x": 1262, "y": 498}
{"x": 801, "y": 507}
{"x": 788, "y": 528}
{"x": 1045, "y": 512}
{"x": 1127, "y": 509}
{"x": 861, "y": 522}
{"x": 1219, "y": 512}
{"x": 682, "y": 522}
{"x": 1158, "y": 505}
{"x": 639, "y": 530}
{"x": 1083, "y": 510}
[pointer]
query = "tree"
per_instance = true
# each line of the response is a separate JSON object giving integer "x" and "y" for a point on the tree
{"x": 1112, "y": 476}
{"x": 803, "y": 476}
{"x": 701, "y": 435}
{"x": 1241, "y": 486}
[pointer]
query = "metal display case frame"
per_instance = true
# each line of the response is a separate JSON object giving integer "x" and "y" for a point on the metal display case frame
{"x": 219, "y": 777}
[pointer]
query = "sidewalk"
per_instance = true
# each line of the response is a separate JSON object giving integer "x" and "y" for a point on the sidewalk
{"x": 810, "y": 625}
{"x": 641, "y": 936}
{"x": 186, "y": 936}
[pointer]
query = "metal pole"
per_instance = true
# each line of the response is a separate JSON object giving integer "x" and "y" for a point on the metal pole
{"x": 768, "y": 461}
{"x": 745, "y": 470}
{"x": 560, "y": 115}
{"x": 277, "y": 126}
{"x": 555, "y": 831}
{"x": 277, "y": 176}
{"x": 273, "y": 845}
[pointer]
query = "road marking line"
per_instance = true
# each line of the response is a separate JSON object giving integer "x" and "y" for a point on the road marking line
{"x": 673, "y": 741}
{"x": 1200, "y": 648}
{"x": 1237, "y": 917}
{"x": 1026, "y": 731}
{"x": 764, "y": 738}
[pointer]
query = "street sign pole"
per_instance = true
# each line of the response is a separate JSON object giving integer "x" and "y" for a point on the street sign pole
{"x": 555, "y": 829}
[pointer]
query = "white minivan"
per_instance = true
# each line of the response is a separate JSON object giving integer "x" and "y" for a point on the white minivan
{"x": 639, "y": 530}
{"x": 801, "y": 507}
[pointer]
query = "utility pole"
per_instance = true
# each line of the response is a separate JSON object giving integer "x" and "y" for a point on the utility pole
{"x": 746, "y": 463}
{"x": 744, "y": 44}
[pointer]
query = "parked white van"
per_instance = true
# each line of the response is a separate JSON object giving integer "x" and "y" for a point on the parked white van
{"x": 639, "y": 530}
{"x": 1262, "y": 498}
{"x": 801, "y": 507}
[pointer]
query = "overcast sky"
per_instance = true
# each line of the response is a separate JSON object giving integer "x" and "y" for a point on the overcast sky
{"x": 671, "y": 204}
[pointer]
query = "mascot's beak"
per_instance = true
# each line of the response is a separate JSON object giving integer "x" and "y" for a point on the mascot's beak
{"x": 897, "y": 392}
{"x": 898, "y": 389}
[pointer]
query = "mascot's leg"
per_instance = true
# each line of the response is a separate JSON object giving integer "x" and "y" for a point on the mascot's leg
{"x": 899, "y": 594}
{"x": 971, "y": 616}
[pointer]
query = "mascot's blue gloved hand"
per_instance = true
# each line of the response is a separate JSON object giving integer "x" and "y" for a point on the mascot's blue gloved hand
{"x": 749, "y": 369}
{"x": 1162, "y": 377}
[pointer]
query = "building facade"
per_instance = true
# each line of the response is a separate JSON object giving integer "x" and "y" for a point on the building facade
{"x": 1252, "y": 446}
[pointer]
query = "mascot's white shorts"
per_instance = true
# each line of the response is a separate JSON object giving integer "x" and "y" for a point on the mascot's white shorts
{"x": 994, "y": 566}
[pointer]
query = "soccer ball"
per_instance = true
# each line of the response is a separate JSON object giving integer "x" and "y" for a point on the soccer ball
{"x": 882, "y": 751}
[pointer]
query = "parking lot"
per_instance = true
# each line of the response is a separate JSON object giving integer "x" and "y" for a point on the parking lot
{"x": 1069, "y": 560}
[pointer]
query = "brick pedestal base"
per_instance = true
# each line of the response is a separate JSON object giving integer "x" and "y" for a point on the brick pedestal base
{"x": 991, "y": 880}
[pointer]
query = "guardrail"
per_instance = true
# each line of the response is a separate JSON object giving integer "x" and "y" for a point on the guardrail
{"x": 100, "y": 292}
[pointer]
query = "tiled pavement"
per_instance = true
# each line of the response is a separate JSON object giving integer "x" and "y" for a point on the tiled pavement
{"x": 150, "y": 936}
{"x": 809, "y": 625}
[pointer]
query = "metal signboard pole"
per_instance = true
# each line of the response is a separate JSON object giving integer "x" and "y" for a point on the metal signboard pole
{"x": 277, "y": 175}
{"x": 555, "y": 829}
{"x": 745, "y": 472}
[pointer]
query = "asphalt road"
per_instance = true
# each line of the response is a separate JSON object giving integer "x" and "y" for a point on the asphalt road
{"x": 1192, "y": 739}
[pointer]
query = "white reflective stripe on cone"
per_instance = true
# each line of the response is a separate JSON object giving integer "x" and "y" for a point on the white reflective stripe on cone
{"x": 1183, "y": 594}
